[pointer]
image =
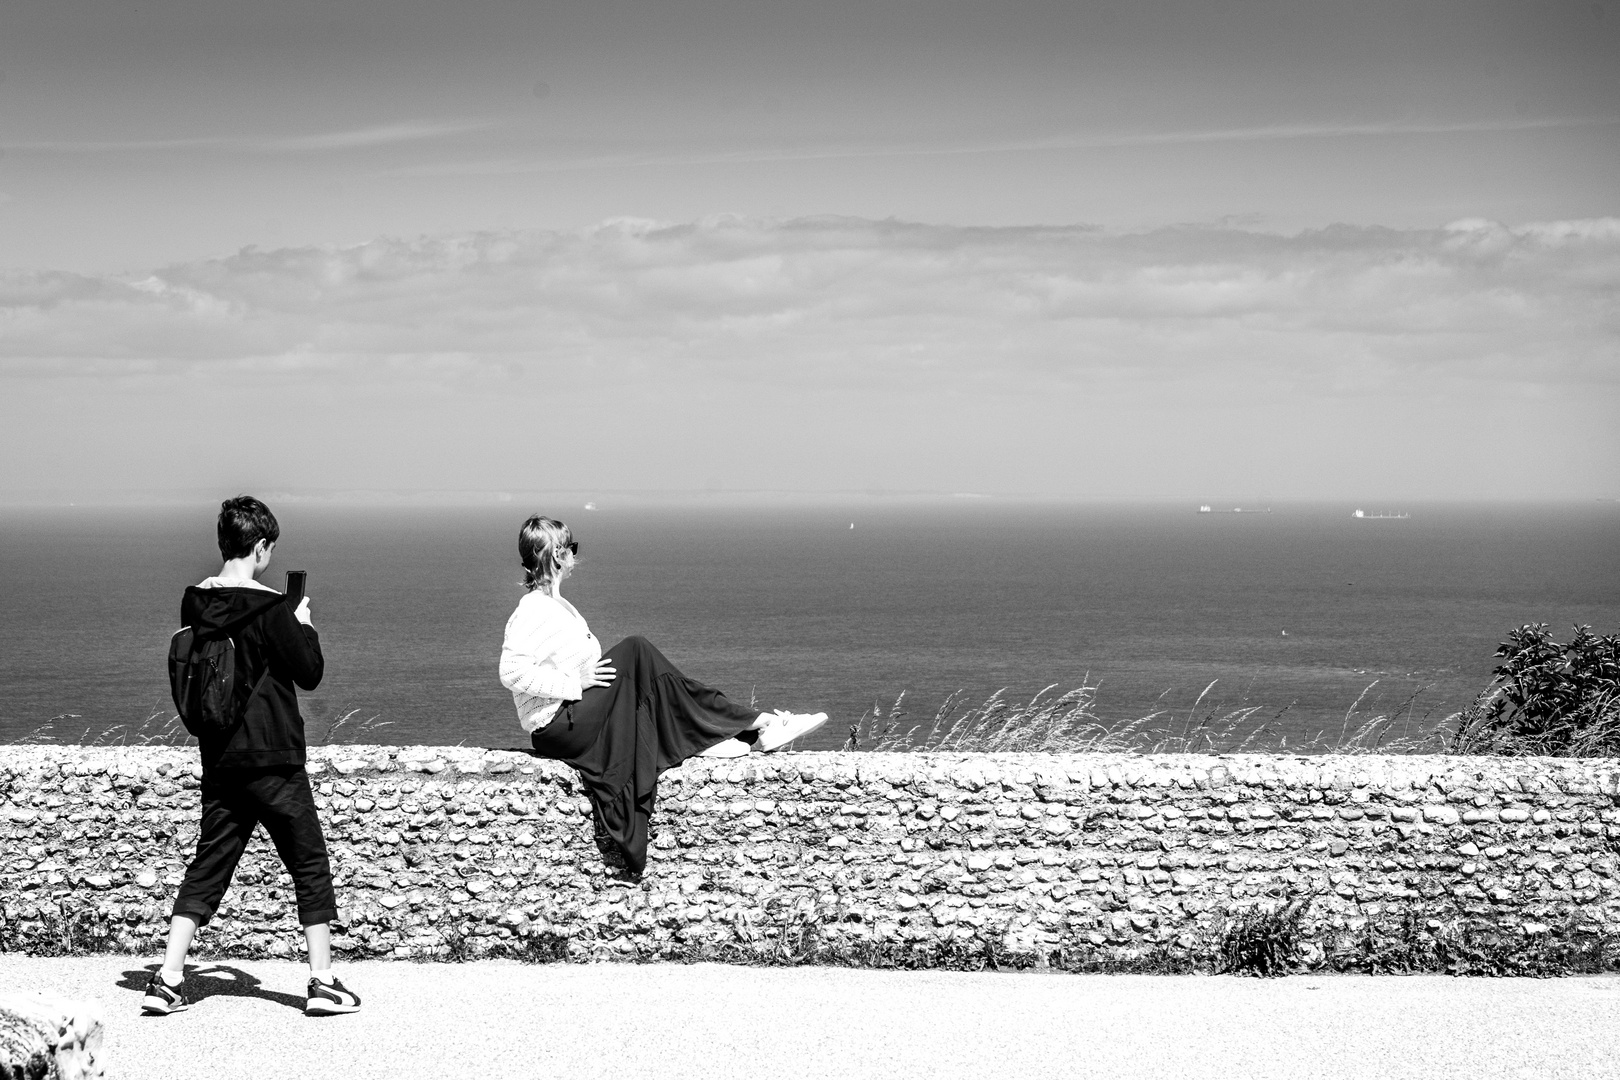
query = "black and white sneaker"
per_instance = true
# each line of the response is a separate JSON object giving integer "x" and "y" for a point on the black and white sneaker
{"x": 330, "y": 999}
{"x": 161, "y": 998}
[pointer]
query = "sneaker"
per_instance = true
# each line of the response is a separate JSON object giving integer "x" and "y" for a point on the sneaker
{"x": 727, "y": 748}
{"x": 161, "y": 998}
{"x": 330, "y": 999}
{"x": 784, "y": 727}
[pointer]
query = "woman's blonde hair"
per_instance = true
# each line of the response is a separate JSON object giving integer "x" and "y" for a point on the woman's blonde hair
{"x": 541, "y": 545}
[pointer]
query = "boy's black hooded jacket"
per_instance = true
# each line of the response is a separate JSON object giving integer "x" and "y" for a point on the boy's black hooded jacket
{"x": 274, "y": 652}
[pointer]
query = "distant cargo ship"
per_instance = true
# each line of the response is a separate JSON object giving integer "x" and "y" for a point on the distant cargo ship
{"x": 1207, "y": 509}
{"x": 1380, "y": 517}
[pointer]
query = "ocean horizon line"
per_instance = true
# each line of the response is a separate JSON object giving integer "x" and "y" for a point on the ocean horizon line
{"x": 588, "y": 498}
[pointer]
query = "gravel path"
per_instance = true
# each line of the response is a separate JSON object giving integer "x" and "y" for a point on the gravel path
{"x": 500, "y": 1018}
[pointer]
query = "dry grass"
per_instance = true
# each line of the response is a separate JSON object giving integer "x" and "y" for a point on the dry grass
{"x": 162, "y": 727}
{"x": 362, "y": 731}
{"x": 1068, "y": 723}
{"x": 1051, "y": 722}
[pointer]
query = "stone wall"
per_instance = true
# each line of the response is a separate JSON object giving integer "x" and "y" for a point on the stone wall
{"x": 439, "y": 850}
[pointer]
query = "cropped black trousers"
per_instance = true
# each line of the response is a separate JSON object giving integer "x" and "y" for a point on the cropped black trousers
{"x": 620, "y": 737}
{"x": 233, "y": 802}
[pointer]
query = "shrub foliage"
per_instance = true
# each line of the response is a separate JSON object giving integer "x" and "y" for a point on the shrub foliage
{"x": 1264, "y": 940}
{"x": 1547, "y": 698}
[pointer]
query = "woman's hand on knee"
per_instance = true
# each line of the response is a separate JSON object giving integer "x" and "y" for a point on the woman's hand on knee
{"x": 602, "y": 676}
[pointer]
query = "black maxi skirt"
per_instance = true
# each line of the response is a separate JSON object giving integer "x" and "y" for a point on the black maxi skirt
{"x": 620, "y": 737}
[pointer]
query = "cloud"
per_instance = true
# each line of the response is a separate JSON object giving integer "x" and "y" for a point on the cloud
{"x": 836, "y": 302}
{"x": 562, "y": 162}
{"x": 353, "y": 139}
{"x": 839, "y": 353}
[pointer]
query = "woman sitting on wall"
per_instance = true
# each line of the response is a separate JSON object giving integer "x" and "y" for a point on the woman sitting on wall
{"x": 622, "y": 717}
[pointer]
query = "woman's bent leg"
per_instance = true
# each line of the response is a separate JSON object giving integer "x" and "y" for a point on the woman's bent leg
{"x": 620, "y": 737}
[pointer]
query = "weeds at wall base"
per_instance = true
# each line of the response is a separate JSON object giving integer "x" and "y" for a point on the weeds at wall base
{"x": 1265, "y": 942}
{"x": 1408, "y": 947}
{"x": 60, "y": 932}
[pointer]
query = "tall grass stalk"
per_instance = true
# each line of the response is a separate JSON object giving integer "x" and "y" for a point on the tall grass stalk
{"x": 1068, "y": 722}
{"x": 162, "y": 727}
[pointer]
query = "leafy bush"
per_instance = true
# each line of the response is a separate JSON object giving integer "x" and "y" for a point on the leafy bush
{"x": 1265, "y": 940}
{"x": 1546, "y": 698}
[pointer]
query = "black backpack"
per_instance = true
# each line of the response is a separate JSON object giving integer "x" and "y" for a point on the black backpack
{"x": 202, "y": 678}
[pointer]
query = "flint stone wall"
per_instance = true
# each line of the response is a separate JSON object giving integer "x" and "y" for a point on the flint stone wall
{"x": 438, "y": 849}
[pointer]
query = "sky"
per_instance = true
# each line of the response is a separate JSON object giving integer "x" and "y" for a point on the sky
{"x": 1149, "y": 249}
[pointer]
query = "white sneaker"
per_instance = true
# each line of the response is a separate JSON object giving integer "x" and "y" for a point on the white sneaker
{"x": 727, "y": 748}
{"x": 784, "y": 727}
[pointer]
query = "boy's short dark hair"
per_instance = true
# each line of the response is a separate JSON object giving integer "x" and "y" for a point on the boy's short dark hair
{"x": 243, "y": 522}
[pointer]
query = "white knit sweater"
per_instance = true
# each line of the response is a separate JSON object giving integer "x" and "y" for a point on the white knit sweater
{"x": 548, "y": 652}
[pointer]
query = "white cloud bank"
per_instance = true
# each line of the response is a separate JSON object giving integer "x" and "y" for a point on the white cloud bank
{"x": 1056, "y": 343}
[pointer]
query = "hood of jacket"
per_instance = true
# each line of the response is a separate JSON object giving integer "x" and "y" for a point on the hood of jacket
{"x": 217, "y": 606}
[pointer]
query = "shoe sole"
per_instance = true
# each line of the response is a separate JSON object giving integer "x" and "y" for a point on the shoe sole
{"x": 715, "y": 751}
{"x": 801, "y": 733}
{"x": 153, "y": 1006}
{"x": 329, "y": 1008}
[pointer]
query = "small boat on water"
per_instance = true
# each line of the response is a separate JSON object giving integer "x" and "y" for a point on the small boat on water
{"x": 1379, "y": 516}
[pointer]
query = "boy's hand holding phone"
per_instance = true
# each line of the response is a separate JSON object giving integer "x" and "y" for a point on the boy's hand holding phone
{"x": 296, "y": 582}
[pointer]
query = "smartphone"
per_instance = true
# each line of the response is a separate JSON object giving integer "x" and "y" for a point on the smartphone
{"x": 295, "y": 586}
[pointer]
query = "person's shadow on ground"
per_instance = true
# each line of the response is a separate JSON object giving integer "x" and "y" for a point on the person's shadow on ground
{"x": 214, "y": 980}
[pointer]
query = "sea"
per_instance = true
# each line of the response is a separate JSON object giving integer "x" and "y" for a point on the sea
{"x": 1314, "y": 619}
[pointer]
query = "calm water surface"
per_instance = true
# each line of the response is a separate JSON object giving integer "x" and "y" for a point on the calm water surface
{"x": 797, "y": 609}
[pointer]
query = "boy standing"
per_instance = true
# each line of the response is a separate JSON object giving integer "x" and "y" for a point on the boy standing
{"x": 254, "y": 771}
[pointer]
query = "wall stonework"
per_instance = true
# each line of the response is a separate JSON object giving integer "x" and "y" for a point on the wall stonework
{"x": 439, "y": 849}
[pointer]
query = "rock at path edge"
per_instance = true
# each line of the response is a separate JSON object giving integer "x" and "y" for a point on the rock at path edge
{"x": 50, "y": 1037}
